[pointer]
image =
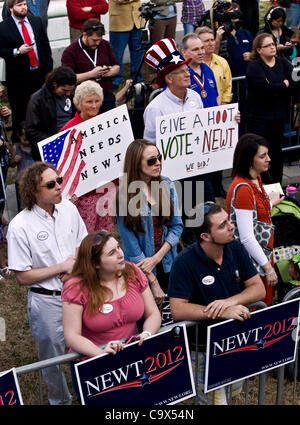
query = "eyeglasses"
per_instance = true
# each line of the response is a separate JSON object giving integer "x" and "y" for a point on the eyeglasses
{"x": 152, "y": 161}
{"x": 183, "y": 71}
{"x": 208, "y": 206}
{"x": 95, "y": 27}
{"x": 98, "y": 238}
{"x": 51, "y": 184}
{"x": 268, "y": 45}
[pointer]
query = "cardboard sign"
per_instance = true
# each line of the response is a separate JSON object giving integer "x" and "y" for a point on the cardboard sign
{"x": 10, "y": 394}
{"x": 238, "y": 350}
{"x": 90, "y": 154}
{"x": 197, "y": 142}
{"x": 156, "y": 373}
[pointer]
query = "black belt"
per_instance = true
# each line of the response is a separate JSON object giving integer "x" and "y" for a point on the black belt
{"x": 45, "y": 291}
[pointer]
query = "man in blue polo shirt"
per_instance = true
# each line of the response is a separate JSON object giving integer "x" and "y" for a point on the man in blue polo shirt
{"x": 214, "y": 278}
{"x": 202, "y": 77}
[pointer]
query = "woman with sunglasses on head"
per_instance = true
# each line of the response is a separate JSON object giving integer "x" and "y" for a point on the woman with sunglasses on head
{"x": 148, "y": 215}
{"x": 88, "y": 99}
{"x": 104, "y": 298}
{"x": 247, "y": 195}
{"x": 270, "y": 86}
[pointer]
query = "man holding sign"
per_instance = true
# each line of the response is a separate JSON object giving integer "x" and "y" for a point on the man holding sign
{"x": 172, "y": 73}
{"x": 214, "y": 278}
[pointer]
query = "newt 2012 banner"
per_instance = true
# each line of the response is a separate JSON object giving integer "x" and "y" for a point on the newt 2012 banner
{"x": 10, "y": 394}
{"x": 238, "y": 350}
{"x": 197, "y": 142}
{"x": 156, "y": 373}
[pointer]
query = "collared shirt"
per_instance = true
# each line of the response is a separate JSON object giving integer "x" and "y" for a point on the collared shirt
{"x": 200, "y": 280}
{"x": 205, "y": 84}
{"x": 167, "y": 103}
{"x": 223, "y": 77}
{"x": 36, "y": 239}
{"x": 30, "y": 32}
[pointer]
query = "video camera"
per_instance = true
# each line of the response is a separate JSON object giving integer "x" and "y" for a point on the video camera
{"x": 223, "y": 16}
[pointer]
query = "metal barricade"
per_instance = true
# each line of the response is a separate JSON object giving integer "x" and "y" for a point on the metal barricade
{"x": 60, "y": 360}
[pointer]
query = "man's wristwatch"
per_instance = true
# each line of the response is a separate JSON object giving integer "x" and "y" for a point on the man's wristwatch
{"x": 18, "y": 52}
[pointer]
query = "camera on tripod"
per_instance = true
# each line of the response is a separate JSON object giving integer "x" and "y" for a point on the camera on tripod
{"x": 223, "y": 15}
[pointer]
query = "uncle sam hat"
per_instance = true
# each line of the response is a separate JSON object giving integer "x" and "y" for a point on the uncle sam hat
{"x": 163, "y": 56}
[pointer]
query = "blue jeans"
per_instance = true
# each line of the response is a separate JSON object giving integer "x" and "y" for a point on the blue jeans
{"x": 293, "y": 15}
{"x": 119, "y": 41}
{"x": 189, "y": 28}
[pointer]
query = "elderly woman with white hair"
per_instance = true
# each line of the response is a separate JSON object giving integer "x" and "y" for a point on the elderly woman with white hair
{"x": 88, "y": 99}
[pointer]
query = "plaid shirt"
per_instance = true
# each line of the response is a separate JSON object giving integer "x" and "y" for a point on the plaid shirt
{"x": 192, "y": 10}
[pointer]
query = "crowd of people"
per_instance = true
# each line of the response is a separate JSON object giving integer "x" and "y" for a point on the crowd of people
{"x": 86, "y": 286}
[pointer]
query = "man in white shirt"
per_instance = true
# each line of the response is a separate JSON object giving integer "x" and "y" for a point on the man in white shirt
{"x": 42, "y": 245}
{"x": 172, "y": 72}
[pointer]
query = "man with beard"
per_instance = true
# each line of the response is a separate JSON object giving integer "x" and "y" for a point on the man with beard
{"x": 92, "y": 58}
{"x": 42, "y": 244}
{"x": 25, "y": 47}
{"x": 213, "y": 279}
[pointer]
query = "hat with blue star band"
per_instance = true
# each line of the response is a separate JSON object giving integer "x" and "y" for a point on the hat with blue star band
{"x": 163, "y": 56}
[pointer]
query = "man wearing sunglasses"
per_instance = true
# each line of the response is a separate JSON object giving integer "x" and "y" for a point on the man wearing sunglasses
{"x": 213, "y": 279}
{"x": 42, "y": 244}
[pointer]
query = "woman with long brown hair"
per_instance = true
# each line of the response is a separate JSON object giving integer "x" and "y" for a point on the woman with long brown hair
{"x": 148, "y": 215}
{"x": 246, "y": 198}
{"x": 104, "y": 298}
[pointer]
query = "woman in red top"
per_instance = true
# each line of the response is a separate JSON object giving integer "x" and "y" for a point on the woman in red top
{"x": 250, "y": 159}
{"x": 87, "y": 99}
{"x": 104, "y": 298}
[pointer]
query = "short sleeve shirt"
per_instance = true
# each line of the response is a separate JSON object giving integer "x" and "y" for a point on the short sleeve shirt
{"x": 37, "y": 240}
{"x": 117, "y": 319}
{"x": 200, "y": 280}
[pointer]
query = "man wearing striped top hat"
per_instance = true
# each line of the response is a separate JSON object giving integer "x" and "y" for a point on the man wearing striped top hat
{"x": 172, "y": 73}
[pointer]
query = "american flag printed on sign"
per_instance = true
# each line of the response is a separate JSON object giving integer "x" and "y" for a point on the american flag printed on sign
{"x": 63, "y": 153}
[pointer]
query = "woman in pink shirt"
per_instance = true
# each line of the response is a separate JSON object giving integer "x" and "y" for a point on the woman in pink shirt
{"x": 104, "y": 298}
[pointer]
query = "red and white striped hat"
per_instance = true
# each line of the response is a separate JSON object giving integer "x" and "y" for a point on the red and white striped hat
{"x": 163, "y": 56}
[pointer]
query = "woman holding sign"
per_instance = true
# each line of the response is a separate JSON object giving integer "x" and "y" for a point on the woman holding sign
{"x": 88, "y": 99}
{"x": 250, "y": 206}
{"x": 148, "y": 215}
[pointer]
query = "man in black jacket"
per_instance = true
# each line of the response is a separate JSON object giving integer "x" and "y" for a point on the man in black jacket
{"x": 25, "y": 47}
{"x": 50, "y": 108}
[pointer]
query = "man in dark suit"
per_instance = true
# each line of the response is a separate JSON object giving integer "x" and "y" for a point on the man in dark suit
{"x": 25, "y": 47}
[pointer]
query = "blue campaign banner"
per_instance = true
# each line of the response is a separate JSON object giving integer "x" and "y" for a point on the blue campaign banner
{"x": 156, "y": 373}
{"x": 10, "y": 394}
{"x": 238, "y": 350}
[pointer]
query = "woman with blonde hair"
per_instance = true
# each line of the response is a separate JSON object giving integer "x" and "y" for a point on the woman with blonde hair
{"x": 148, "y": 215}
{"x": 88, "y": 99}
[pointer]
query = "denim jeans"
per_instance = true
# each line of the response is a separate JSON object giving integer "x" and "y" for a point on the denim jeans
{"x": 119, "y": 41}
{"x": 189, "y": 28}
{"x": 293, "y": 15}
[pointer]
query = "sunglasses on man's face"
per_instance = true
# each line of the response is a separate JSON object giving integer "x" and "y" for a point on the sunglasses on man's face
{"x": 51, "y": 184}
{"x": 152, "y": 161}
